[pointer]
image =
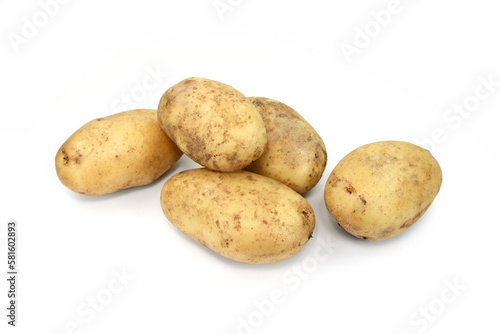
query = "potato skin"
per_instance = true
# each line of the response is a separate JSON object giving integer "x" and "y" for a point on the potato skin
{"x": 240, "y": 215}
{"x": 380, "y": 189}
{"x": 120, "y": 151}
{"x": 295, "y": 154}
{"x": 213, "y": 124}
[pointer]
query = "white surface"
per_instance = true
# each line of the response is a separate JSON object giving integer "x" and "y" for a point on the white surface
{"x": 400, "y": 86}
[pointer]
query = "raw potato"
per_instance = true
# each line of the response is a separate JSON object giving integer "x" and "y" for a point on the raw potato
{"x": 295, "y": 154}
{"x": 240, "y": 215}
{"x": 120, "y": 151}
{"x": 381, "y": 189}
{"x": 213, "y": 124}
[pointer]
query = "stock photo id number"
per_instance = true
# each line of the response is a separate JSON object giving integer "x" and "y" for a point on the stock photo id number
{"x": 12, "y": 273}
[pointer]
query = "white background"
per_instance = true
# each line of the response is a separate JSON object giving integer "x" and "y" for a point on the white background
{"x": 79, "y": 63}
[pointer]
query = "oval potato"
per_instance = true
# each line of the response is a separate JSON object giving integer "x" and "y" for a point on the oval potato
{"x": 295, "y": 154}
{"x": 120, "y": 151}
{"x": 240, "y": 215}
{"x": 213, "y": 124}
{"x": 380, "y": 189}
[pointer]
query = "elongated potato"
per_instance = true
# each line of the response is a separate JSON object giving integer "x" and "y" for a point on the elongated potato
{"x": 380, "y": 189}
{"x": 240, "y": 215}
{"x": 120, "y": 151}
{"x": 295, "y": 154}
{"x": 213, "y": 124}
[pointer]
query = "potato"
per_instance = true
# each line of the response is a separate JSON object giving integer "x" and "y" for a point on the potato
{"x": 295, "y": 154}
{"x": 213, "y": 124}
{"x": 381, "y": 189}
{"x": 108, "y": 154}
{"x": 240, "y": 215}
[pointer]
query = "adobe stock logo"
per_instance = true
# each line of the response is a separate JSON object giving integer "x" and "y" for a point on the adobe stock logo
{"x": 89, "y": 309}
{"x": 31, "y": 26}
{"x": 421, "y": 319}
{"x": 152, "y": 80}
{"x": 364, "y": 36}
{"x": 454, "y": 116}
{"x": 291, "y": 280}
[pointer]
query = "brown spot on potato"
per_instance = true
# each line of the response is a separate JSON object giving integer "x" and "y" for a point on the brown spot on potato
{"x": 233, "y": 158}
{"x": 196, "y": 146}
{"x": 65, "y": 156}
{"x": 225, "y": 243}
{"x": 237, "y": 222}
{"x": 78, "y": 157}
{"x": 349, "y": 189}
{"x": 305, "y": 217}
{"x": 333, "y": 180}
{"x": 251, "y": 178}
